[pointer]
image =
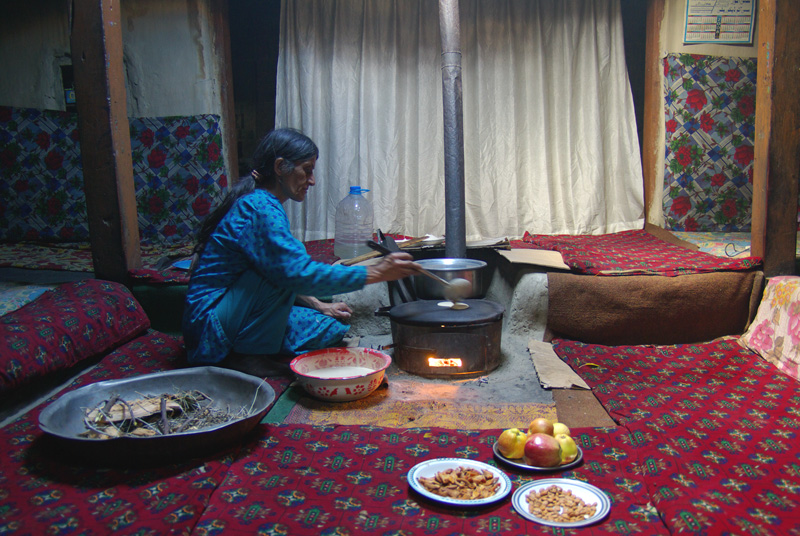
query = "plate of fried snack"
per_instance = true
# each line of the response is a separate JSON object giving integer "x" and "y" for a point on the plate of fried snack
{"x": 561, "y": 502}
{"x": 459, "y": 482}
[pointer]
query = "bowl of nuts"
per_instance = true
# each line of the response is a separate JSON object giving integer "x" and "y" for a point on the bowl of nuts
{"x": 459, "y": 482}
{"x": 561, "y": 502}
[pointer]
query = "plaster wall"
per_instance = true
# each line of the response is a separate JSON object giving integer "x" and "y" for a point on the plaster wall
{"x": 34, "y": 43}
{"x": 170, "y": 66}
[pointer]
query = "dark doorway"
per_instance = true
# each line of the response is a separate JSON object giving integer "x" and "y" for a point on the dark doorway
{"x": 634, "y": 27}
{"x": 254, "y": 29}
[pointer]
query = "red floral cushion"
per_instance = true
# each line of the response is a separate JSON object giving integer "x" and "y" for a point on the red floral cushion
{"x": 64, "y": 326}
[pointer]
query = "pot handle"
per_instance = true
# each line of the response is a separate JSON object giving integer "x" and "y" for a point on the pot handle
{"x": 383, "y": 311}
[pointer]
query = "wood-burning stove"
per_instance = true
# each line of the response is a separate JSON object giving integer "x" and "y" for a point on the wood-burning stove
{"x": 437, "y": 341}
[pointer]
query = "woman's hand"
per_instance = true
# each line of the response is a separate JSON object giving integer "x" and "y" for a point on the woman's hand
{"x": 392, "y": 267}
{"x": 338, "y": 310}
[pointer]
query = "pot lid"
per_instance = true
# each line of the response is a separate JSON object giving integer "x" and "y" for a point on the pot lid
{"x": 429, "y": 312}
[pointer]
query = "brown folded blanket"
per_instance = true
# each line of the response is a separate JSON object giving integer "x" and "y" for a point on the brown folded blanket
{"x": 644, "y": 309}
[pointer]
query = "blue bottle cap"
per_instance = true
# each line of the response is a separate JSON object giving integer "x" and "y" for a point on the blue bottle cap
{"x": 358, "y": 190}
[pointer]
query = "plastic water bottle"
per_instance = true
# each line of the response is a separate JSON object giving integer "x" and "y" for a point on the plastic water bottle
{"x": 353, "y": 225}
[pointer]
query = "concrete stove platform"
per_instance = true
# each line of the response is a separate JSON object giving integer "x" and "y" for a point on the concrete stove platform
{"x": 522, "y": 289}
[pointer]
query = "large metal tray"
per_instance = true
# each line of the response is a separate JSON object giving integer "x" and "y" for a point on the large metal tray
{"x": 63, "y": 422}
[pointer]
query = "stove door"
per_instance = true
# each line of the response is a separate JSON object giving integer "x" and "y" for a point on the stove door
{"x": 447, "y": 352}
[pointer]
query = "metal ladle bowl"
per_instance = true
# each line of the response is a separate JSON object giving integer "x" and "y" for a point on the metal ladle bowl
{"x": 455, "y": 290}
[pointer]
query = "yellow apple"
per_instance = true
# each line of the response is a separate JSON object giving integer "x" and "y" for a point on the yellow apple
{"x": 569, "y": 450}
{"x": 511, "y": 443}
{"x": 560, "y": 428}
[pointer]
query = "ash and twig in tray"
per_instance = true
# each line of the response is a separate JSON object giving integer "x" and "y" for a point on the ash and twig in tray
{"x": 155, "y": 415}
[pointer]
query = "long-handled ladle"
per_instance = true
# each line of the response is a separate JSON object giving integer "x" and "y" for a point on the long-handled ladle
{"x": 455, "y": 290}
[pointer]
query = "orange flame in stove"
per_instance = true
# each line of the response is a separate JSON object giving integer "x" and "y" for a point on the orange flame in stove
{"x": 444, "y": 362}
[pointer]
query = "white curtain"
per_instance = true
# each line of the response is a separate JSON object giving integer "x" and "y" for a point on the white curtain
{"x": 550, "y": 138}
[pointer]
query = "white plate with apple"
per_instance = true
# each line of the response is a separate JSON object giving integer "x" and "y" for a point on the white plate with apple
{"x": 430, "y": 468}
{"x": 520, "y": 462}
{"x": 591, "y": 496}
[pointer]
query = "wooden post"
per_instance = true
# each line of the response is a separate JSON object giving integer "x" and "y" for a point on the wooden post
{"x": 652, "y": 145}
{"x": 222, "y": 49}
{"x": 96, "y": 42}
{"x": 776, "y": 164}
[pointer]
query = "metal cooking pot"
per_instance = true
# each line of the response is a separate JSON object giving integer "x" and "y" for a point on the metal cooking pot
{"x": 474, "y": 271}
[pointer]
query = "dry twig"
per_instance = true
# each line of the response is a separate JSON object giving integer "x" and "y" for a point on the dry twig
{"x": 155, "y": 415}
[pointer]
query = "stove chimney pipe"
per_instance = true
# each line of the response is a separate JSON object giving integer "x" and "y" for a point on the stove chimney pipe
{"x": 455, "y": 227}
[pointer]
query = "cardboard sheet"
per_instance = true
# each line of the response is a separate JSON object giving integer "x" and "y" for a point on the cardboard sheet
{"x": 553, "y": 372}
{"x": 538, "y": 257}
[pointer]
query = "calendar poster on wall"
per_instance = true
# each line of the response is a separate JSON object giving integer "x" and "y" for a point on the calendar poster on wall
{"x": 720, "y": 21}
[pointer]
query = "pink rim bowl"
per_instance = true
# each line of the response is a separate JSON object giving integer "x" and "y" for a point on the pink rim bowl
{"x": 357, "y": 372}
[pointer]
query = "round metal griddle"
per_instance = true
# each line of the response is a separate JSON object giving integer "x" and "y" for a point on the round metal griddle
{"x": 430, "y": 313}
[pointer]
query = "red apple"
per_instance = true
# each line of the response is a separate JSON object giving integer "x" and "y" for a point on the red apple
{"x": 542, "y": 450}
{"x": 541, "y": 426}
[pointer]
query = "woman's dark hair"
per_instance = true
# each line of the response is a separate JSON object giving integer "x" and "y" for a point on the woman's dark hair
{"x": 287, "y": 143}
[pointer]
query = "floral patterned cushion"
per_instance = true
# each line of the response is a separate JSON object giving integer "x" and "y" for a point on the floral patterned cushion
{"x": 65, "y": 325}
{"x": 179, "y": 174}
{"x": 177, "y": 165}
{"x": 775, "y": 331}
{"x": 41, "y": 177}
{"x": 710, "y": 126}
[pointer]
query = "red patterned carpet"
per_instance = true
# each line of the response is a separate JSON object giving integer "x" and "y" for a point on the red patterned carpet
{"x": 351, "y": 480}
{"x": 297, "y": 479}
{"x": 714, "y": 427}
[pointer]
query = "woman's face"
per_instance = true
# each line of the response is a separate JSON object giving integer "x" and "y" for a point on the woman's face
{"x": 294, "y": 183}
